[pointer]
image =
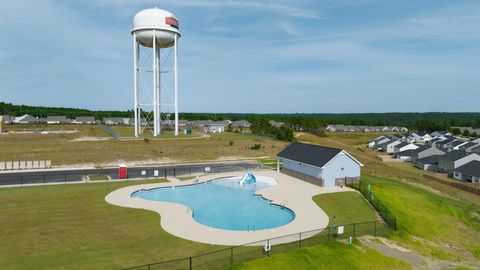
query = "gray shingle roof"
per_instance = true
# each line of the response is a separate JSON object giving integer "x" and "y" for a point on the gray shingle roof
{"x": 400, "y": 145}
{"x": 455, "y": 155}
{"x": 429, "y": 160}
{"x": 405, "y": 153}
{"x": 472, "y": 168}
{"x": 315, "y": 155}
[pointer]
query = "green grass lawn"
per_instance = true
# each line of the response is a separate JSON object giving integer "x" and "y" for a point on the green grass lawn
{"x": 346, "y": 207}
{"x": 72, "y": 227}
{"x": 331, "y": 255}
{"x": 185, "y": 178}
{"x": 98, "y": 177}
{"x": 429, "y": 222}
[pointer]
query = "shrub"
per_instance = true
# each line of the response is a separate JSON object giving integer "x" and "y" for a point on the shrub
{"x": 256, "y": 146}
{"x": 230, "y": 143}
{"x": 146, "y": 140}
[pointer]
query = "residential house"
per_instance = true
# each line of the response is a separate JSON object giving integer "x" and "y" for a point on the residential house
{"x": 436, "y": 140}
{"x": 464, "y": 145}
{"x": 114, "y": 120}
{"x": 7, "y": 119}
{"x": 390, "y": 146}
{"x": 442, "y": 133}
{"x": 413, "y": 138}
{"x": 429, "y": 163}
{"x": 26, "y": 119}
{"x": 319, "y": 165}
{"x": 452, "y": 160}
{"x": 404, "y": 146}
{"x": 383, "y": 146}
{"x": 405, "y": 155}
{"x": 276, "y": 124}
{"x": 469, "y": 172}
{"x": 241, "y": 124}
{"x": 215, "y": 127}
{"x": 425, "y": 151}
{"x": 201, "y": 123}
{"x": 56, "y": 119}
{"x": 84, "y": 120}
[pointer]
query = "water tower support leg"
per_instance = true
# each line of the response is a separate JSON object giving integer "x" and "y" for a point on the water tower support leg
{"x": 176, "y": 85}
{"x": 135, "y": 84}
{"x": 159, "y": 112}
{"x": 154, "y": 72}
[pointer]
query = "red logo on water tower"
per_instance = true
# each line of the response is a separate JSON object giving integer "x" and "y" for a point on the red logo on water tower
{"x": 172, "y": 22}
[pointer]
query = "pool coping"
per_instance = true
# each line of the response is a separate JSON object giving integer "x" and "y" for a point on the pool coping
{"x": 290, "y": 192}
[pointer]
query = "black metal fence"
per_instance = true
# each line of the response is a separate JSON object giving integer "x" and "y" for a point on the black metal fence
{"x": 67, "y": 177}
{"x": 222, "y": 258}
{"x": 382, "y": 210}
{"x": 115, "y": 134}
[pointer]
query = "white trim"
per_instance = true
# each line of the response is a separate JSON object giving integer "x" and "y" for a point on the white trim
{"x": 346, "y": 153}
{"x": 323, "y": 167}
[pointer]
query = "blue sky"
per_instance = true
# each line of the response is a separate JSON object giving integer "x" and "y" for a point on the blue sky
{"x": 251, "y": 56}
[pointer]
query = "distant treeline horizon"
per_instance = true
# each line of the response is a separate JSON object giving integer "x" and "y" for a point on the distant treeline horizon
{"x": 427, "y": 121}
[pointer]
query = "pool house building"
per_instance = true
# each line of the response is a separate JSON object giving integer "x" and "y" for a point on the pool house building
{"x": 319, "y": 165}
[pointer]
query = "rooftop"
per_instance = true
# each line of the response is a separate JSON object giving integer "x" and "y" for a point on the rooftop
{"x": 315, "y": 155}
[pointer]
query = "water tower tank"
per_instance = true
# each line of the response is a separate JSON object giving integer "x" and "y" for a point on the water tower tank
{"x": 164, "y": 23}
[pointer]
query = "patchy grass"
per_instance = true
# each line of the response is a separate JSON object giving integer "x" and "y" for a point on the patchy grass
{"x": 72, "y": 227}
{"x": 428, "y": 222}
{"x": 63, "y": 151}
{"x": 270, "y": 162}
{"x": 331, "y": 255}
{"x": 185, "y": 178}
{"x": 98, "y": 177}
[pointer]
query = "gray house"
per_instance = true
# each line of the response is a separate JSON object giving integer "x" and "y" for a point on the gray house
{"x": 56, "y": 119}
{"x": 429, "y": 163}
{"x": 453, "y": 160}
{"x": 469, "y": 172}
{"x": 390, "y": 146}
{"x": 319, "y": 165}
{"x": 26, "y": 119}
{"x": 405, "y": 155}
{"x": 84, "y": 120}
{"x": 425, "y": 151}
{"x": 404, "y": 146}
{"x": 215, "y": 127}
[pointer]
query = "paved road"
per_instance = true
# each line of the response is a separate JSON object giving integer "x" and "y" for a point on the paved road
{"x": 67, "y": 176}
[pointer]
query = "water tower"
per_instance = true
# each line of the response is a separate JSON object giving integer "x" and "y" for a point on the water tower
{"x": 155, "y": 35}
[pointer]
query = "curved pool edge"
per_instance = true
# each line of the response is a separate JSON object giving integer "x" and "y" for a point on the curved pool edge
{"x": 177, "y": 220}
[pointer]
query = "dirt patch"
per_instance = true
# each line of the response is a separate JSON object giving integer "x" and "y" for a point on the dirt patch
{"x": 90, "y": 139}
{"x": 420, "y": 262}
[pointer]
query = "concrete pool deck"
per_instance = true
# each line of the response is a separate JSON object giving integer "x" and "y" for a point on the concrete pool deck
{"x": 293, "y": 193}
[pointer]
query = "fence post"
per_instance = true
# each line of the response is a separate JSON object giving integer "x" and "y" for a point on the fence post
{"x": 231, "y": 255}
{"x": 44, "y": 179}
{"x": 300, "y": 237}
{"x": 375, "y": 228}
{"x": 190, "y": 263}
{"x": 165, "y": 173}
{"x": 174, "y": 173}
{"x": 21, "y": 180}
{"x": 65, "y": 178}
{"x": 353, "y": 229}
{"x": 148, "y": 266}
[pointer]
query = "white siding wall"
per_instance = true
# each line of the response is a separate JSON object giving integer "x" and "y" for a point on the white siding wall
{"x": 340, "y": 167}
{"x": 466, "y": 160}
{"x": 302, "y": 168}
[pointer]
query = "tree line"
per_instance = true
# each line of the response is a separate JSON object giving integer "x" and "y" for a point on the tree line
{"x": 314, "y": 122}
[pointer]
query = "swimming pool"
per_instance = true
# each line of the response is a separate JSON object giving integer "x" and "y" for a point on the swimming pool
{"x": 225, "y": 204}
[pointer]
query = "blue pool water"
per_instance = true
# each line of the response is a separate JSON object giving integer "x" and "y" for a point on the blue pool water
{"x": 224, "y": 204}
